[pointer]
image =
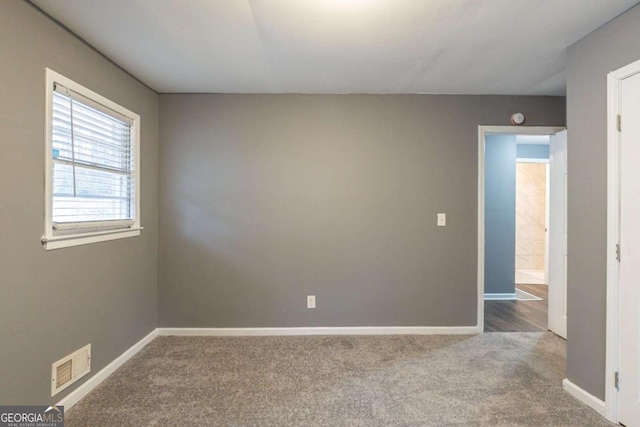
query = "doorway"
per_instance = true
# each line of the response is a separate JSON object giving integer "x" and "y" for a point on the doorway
{"x": 532, "y": 215}
{"x": 516, "y": 166}
{"x": 623, "y": 248}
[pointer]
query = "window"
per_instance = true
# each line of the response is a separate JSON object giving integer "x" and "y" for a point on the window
{"x": 92, "y": 167}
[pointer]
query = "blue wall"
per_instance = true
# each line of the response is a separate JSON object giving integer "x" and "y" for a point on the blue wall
{"x": 532, "y": 151}
{"x": 500, "y": 214}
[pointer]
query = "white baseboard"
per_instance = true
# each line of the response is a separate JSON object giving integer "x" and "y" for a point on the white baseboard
{"x": 584, "y": 397}
{"x": 356, "y": 330}
{"x": 495, "y": 297}
{"x": 84, "y": 389}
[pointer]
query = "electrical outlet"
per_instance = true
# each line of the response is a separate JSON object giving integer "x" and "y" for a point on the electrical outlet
{"x": 311, "y": 301}
{"x": 442, "y": 220}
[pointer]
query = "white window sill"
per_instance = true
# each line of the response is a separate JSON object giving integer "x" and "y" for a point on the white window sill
{"x": 65, "y": 241}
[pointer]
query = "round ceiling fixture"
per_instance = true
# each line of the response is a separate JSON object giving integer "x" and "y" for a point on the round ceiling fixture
{"x": 517, "y": 119}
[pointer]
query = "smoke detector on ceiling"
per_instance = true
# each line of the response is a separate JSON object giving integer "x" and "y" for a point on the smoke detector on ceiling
{"x": 517, "y": 119}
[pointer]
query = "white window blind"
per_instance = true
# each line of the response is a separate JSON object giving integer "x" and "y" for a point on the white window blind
{"x": 93, "y": 164}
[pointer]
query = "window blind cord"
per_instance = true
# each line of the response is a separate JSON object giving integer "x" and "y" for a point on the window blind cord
{"x": 73, "y": 152}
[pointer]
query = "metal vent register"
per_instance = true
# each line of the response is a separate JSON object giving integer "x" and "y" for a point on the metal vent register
{"x": 63, "y": 373}
{"x": 70, "y": 369}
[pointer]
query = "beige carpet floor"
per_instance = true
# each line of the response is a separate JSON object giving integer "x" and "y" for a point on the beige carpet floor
{"x": 494, "y": 379}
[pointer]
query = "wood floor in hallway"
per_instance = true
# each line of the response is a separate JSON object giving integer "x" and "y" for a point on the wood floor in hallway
{"x": 518, "y": 316}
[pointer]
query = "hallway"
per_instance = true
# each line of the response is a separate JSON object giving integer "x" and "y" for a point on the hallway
{"x": 516, "y": 315}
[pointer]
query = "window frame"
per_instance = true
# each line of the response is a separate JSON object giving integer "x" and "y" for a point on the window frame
{"x": 80, "y": 233}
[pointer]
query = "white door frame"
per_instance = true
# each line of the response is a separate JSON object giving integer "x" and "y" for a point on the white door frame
{"x": 482, "y": 132}
{"x": 614, "y": 81}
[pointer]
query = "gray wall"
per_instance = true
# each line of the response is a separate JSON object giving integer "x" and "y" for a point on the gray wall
{"x": 52, "y": 303}
{"x": 500, "y": 214}
{"x": 268, "y": 198}
{"x": 612, "y": 46}
{"x": 532, "y": 151}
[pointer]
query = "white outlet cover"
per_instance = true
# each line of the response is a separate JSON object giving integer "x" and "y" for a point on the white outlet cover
{"x": 311, "y": 301}
{"x": 442, "y": 220}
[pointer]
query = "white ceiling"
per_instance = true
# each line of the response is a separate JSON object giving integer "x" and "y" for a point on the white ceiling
{"x": 339, "y": 46}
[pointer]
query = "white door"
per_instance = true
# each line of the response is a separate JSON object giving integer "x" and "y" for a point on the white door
{"x": 629, "y": 273}
{"x": 557, "y": 234}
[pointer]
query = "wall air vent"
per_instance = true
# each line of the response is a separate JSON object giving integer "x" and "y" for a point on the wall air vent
{"x": 70, "y": 369}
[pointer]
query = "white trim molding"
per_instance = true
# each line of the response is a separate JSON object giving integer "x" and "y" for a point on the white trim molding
{"x": 64, "y": 241}
{"x": 531, "y": 160}
{"x": 584, "y": 396}
{"x": 499, "y": 297}
{"x": 355, "y": 330}
{"x": 482, "y": 132}
{"x": 94, "y": 381}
